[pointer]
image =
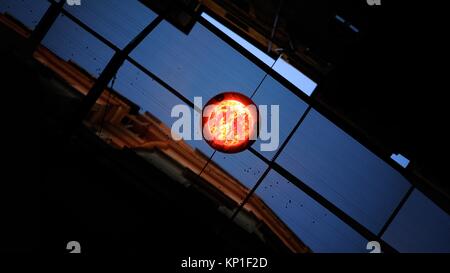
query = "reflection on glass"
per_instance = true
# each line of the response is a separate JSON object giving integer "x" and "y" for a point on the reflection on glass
{"x": 117, "y": 20}
{"x": 71, "y": 43}
{"x": 151, "y": 97}
{"x": 313, "y": 224}
{"x": 135, "y": 113}
{"x": 28, "y": 12}
{"x": 198, "y": 64}
{"x": 147, "y": 130}
{"x": 420, "y": 226}
{"x": 343, "y": 171}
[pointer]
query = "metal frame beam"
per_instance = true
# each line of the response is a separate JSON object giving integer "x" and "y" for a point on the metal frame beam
{"x": 108, "y": 73}
{"x": 44, "y": 26}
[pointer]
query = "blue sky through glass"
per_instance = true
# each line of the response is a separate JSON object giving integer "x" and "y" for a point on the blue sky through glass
{"x": 293, "y": 75}
{"x": 322, "y": 155}
{"x": 313, "y": 224}
{"x": 420, "y": 226}
{"x": 343, "y": 171}
{"x": 117, "y": 20}
{"x": 400, "y": 159}
{"x": 198, "y": 64}
{"x": 290, "y": 73}
{"x": 29, "y": 12}
{"x": 135, "y": 85}
{"x": 291, "y": 108}
{"x": 244, "y": 43}
{"x": 70, "y": 42}
{"x": 244, "y": 166}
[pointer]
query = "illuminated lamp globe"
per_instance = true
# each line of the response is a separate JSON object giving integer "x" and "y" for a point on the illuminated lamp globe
{"x": 230, "y": 122}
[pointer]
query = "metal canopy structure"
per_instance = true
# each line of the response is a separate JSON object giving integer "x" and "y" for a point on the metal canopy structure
{"x": 312, "y": 67}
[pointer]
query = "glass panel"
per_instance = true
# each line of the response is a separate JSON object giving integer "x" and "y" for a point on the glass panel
{"x": 71, "y": 43}
{"x": 117, "y": 20}
{"x": 343, "y": 171}
{"x": 198, "y": 64}
{"x": 420, "y": 226}
{"x": 232, "y": 174}
{"x": 151, "y": 97}
{"x": 29, "y": 12}
{"x": 293, "y": 75}
{"x": 291, "y": 108}
{"x": 238, "y": 39}
{"x": 136, "y": 86}
{"x": 319, "y": 229}
{"x": 137, "y": 115}
{"x": 244, "y": 167}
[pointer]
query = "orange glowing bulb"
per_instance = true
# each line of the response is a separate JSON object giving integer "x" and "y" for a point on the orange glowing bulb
{"x": 230, "y": 122}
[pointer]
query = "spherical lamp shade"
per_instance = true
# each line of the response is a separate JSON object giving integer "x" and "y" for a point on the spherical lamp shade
{"x": 230, "y": 122}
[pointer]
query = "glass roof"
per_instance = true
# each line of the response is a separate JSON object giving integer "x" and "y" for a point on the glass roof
{"x": 198, "y": 64}
{"x": 72, "y": 43}
{"x": 420, "y": 226}
{"x": 319, "y": 154}
{"x": 117, "y": 20}
{"x": 28, "y": 12}
{"x": 344, "y": 171}
{"x": 314, "y": 225}
{"x": 291, "y": 109}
